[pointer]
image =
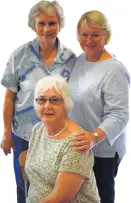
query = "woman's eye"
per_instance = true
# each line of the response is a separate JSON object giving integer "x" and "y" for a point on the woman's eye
{"x": 41, "y": 23}
{"x": 52, "y": 23}
{"x": 95, "y": 35}
{"x": 84, "y": 35}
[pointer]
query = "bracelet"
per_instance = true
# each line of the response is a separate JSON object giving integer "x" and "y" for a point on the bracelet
{"x": 96, "y": 137}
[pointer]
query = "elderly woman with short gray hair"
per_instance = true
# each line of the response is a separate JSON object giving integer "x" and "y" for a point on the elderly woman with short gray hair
{"x": 43, "y": 56}
{"x": 56, "y": 172}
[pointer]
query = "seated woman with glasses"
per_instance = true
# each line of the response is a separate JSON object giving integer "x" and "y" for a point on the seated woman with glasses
{"x": 56, "y": 172}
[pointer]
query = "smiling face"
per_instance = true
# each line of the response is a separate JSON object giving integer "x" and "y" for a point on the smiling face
{"x": 92, "y": 40}
{"x": 47, "y": 28}
{"x": 51, "y": 112}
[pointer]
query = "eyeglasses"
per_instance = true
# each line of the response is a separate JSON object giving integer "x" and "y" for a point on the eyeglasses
{"x": 52, "y": 100}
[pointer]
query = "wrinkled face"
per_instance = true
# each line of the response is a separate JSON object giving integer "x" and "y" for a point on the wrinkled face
{"x": 47, "y": 28}
{"x": 92, "y": 40}
{"x": 50, "y": 107}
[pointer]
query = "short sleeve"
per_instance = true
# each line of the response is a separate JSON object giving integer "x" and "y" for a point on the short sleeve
{"x": 9, "y": 79}
{"x": 35, "y": 133}
{"x": 34, "y": 136}
{"x": 76, "y": 162}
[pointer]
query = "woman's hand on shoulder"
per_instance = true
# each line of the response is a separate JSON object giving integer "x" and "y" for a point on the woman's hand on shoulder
{"x": 84, "y": 141}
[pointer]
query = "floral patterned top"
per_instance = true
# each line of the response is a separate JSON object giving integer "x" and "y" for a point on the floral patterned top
{"x": 47, "y": 157}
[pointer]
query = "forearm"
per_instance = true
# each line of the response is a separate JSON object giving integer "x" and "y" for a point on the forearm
{"x": 8, "y": 109}
{"x": 116, "y": 105}
{"x": 101, "y": 134}
{"x": 66, "y": 187}
{"x": 114, "y": 127}
{"x": 55, "y": 197}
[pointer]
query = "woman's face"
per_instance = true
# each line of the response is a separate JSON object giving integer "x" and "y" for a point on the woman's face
{"x": 92, "y": 40}
{"x": 50, "y": 107}
{"x": 47, "y": 28}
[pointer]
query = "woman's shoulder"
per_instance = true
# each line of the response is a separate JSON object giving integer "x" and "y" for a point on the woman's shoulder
{"x": 38, "y": 126}
{"x": 73, "y": 127}
{"x": 36, "y": 132}
{"x": 73, "y": 130}
{"x": 20, "y": 51}
{"x": 65, "y": 53}
{"x": 115, "y": 65}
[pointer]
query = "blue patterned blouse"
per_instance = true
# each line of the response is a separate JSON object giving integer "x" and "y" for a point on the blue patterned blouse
{"x": 23, "y": 70}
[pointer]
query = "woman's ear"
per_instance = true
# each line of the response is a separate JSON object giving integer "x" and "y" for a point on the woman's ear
{"x": 106, "y": 38}
{"x": 78, "y": 37}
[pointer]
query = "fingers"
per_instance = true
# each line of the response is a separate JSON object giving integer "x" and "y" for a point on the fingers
{"x": 84, "y": 148}
{"x": 79, "y": 138}
{"x": 6, "y": 151}
{"x": 6, "y": 147}
{"x": 79, "y": 135}
{"x": 80, "y": 143}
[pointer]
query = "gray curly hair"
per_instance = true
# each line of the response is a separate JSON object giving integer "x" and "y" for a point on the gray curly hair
{"x": 47, "y": 7}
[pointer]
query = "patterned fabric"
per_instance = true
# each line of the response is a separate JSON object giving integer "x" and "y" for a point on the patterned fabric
{"x": 23, "y": 70}
{"x": 100, "y": 94}
{"x": 47, "y": 157}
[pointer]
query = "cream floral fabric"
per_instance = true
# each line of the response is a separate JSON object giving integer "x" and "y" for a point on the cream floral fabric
{"x": 47, "y": 157}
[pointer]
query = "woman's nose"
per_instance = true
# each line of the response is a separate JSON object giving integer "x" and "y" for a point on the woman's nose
{"x": 89, "y": 38}
{"x": 47, "y": 28}
{"x": 47, "y": 104}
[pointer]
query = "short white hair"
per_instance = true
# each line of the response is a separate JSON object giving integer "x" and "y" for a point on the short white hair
{"x": 56, "y": 83}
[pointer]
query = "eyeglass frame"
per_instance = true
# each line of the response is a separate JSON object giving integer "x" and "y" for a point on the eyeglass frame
{"x": 56, "y": 99}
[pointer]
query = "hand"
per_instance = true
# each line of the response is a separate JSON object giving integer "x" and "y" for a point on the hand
{"x": 7, "y": 144}
{"x": 84, "y": 141}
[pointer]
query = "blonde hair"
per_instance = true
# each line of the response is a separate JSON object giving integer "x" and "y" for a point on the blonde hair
{"x": 47, "y": 7}
{"x": 95, "y": 17}
{"x": 56, "y": 83}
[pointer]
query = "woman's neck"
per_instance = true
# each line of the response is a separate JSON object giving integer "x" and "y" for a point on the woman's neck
{"x": 55, "y": 128}
{"x": 104, "y": 55}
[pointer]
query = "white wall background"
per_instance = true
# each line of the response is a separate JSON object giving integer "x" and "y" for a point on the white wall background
{"x": 14, "y": 31}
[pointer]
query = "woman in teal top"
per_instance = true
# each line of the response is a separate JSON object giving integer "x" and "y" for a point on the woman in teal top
{"x": 43, "y": 56}
{"x": 56, "y": 172}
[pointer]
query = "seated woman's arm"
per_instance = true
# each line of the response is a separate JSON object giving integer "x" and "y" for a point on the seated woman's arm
{"x": 74, "y": 169}
{"x": 66, "y": 187}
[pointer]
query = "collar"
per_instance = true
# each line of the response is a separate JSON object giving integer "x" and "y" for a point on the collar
{"x": 63, "y": 54}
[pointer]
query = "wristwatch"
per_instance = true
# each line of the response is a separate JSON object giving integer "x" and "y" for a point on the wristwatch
{"x": 96, "y": 137}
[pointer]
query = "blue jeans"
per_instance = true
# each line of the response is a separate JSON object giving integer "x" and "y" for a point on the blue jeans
{"x": 20, "y": 146}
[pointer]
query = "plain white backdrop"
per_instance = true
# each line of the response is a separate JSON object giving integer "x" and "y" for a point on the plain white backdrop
{"x": 14, "y": 31}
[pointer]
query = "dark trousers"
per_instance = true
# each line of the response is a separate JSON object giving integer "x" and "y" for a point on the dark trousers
{"x": 20, "y": 146}
{"x": 105, "y": 170}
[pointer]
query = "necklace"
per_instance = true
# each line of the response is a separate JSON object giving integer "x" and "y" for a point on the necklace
{"x": 51, "y": 136}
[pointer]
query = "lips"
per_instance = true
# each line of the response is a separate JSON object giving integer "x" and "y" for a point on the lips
{"x": 91, "y": 46}
{"x": 46, "y": 35}
{"x": 48, "y": 114}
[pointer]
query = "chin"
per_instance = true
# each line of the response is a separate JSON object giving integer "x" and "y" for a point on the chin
{"x": 49, "y": 120}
